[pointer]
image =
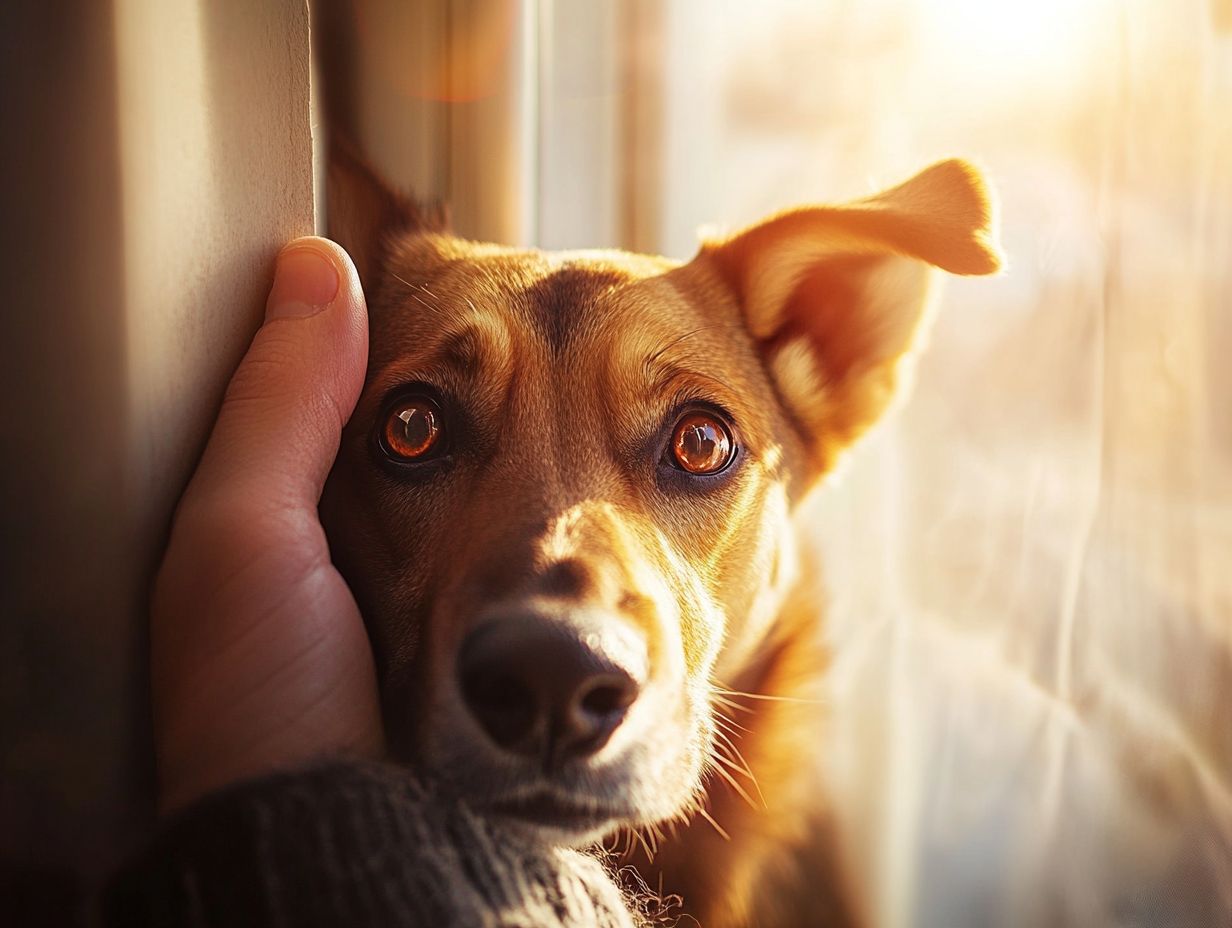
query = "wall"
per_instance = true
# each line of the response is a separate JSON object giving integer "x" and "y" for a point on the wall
{"x": 158, "y": 155}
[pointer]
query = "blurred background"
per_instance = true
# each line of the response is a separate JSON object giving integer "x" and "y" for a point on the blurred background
{"x": 1030, "y": 564}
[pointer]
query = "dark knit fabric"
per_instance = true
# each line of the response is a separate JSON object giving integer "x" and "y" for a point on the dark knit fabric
{"x": 355, "y": 845}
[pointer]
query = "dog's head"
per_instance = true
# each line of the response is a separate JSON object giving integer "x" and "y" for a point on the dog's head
{"x": 564, "y": 499}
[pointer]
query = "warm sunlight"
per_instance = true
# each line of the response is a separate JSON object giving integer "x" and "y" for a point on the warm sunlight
{"x": 1004, "y": 40}
{"x": 1039, "y": 536}
{"x": 460, "y": 539}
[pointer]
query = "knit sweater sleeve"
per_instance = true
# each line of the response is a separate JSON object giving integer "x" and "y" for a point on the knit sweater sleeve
{"x": 358, "y": 845}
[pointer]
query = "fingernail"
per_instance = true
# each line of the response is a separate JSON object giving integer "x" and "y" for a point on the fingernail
{"x": 305, "y": 282}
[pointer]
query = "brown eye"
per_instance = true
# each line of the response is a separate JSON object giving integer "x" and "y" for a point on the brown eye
{"x": 702, "y": 444}
{"x": 412, "y": 429}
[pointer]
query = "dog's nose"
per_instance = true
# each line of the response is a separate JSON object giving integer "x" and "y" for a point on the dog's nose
{"x": 542, "y": 689}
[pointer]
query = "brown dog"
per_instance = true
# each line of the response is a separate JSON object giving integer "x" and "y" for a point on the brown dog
{"x": 565, "y": 505}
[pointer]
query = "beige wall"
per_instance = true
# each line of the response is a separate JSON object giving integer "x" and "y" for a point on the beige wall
{"x": 163, "y": 154}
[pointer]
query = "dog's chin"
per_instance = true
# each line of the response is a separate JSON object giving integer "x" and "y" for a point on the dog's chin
{"x": 575, "y": 809}
{"x": 552, "y": 817}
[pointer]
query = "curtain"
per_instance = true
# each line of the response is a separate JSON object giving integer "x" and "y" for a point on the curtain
{"x": 1030, "y": 564}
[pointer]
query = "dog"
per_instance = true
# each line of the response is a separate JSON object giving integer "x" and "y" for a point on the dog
{"x": 566, "y": 506}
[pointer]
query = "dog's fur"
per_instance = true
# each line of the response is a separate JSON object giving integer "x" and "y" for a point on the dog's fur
{"x": 562, "y": 374}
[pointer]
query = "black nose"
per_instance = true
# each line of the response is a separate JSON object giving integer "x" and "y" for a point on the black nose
{"x": 540, "y": 690}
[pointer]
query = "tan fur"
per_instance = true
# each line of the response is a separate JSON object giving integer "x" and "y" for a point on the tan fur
{"x": 568, "y": 367}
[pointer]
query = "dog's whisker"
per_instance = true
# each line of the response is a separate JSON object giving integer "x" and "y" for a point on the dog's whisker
{"x": 410, "y": 286}
{"x": 658, "y": 835}
{"x": 676, "y": 823}
{"x": 729, "y": 703}
{"x": 695, "y": 802}
{"x": 725, "y": 756}
{"x": 767, "y": 698}
{"x": 626, "y": 833}
{"x": 741, "y": 767}
{"x": 740, "y": 790}
{"x": 727, "y": 736}
{"x": 735, "y": 760}
{"x": 734, "y": 784}
{"x": 728, "y": 725}
{"x": 645, "y": 841}
{"x": 717, "y": 827}
{"x": 729, "y": 756}
{"x": 653, "y": 842}
{"x": 732, "y": 730}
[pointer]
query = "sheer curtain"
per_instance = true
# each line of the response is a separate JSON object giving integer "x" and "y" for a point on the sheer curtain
{"x": 1031, "y": 563}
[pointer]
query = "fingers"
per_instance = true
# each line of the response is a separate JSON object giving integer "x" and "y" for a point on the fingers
{"x": 259, "y": 657}
{"x": 280, "y": 424}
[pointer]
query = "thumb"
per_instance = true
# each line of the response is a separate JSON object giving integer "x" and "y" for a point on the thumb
{"x": 281, "y": 420}
{"x": 258, "y": 651}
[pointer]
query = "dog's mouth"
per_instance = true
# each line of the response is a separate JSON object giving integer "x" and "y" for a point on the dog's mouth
{"x": 550, "y": 809}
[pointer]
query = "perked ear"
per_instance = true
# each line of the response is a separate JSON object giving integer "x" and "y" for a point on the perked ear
{"x": 364, "y": 213}
{"x": 837, "y": 296}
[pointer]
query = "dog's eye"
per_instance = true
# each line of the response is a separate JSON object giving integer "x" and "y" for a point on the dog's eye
{"x": 412, "y": 429}
{"x": 702, "y": 444}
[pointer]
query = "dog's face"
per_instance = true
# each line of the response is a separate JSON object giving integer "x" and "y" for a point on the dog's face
{"x": 564, "y": 499}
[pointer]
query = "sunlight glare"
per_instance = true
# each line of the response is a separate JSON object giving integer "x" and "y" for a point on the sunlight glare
{"x": 1008, "y": 39}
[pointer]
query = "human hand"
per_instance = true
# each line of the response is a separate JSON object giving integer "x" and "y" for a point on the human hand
{"x": 260, "y": 660}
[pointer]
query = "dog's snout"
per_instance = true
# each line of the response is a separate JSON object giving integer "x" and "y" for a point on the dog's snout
{"x": 539, "y": 688}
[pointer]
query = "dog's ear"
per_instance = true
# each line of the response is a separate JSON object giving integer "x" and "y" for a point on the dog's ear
{"x": 364, "y": 212}
{"x": 836, "y": 296}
